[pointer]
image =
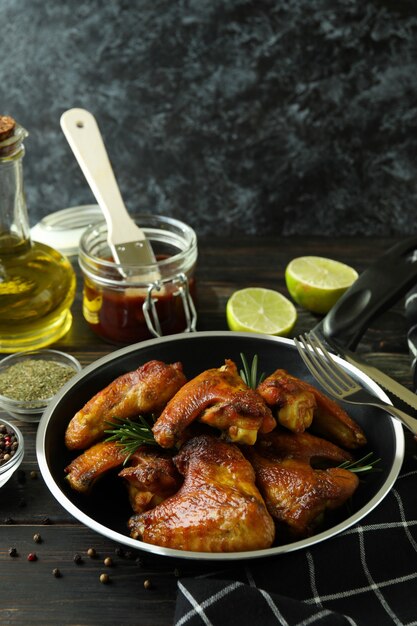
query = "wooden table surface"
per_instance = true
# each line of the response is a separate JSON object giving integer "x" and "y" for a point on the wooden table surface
{"x": 29, "y": 592}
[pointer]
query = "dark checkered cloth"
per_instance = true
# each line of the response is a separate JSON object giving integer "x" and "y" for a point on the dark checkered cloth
{"x": 365, "y": 576}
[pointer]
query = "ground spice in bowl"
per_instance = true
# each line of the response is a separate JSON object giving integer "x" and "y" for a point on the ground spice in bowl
{"x": 28, "y": 381}
{"x": 34, "y": 379}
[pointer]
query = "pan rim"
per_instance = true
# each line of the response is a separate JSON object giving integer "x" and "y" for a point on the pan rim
{"x": 120, "y": 538}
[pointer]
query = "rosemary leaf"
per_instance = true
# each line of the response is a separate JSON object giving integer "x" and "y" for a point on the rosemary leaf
{"x": 254, "y": 371}
{"x": 362, "y": 465}
{"x": 131, "y": 434}
{"x": 249, "y": 374}
{"x": 245, "y": 372}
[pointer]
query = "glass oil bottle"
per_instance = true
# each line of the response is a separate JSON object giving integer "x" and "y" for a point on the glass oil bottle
{"x": 37, "y": 283}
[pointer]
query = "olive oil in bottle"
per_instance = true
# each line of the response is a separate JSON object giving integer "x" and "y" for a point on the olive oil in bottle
{"x": 37, "y": 283}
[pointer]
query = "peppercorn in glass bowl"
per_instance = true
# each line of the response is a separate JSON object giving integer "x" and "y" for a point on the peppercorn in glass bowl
{"x": 11, "y": 450}
{"x": 29, "y": 381}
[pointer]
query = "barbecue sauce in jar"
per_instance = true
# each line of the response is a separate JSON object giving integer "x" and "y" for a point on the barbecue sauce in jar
{"x": 127, "y": 305}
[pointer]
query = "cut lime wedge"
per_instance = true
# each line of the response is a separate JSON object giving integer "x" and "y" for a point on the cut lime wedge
{"x": 316, "y": 283}
{"x": 259, "y": 310}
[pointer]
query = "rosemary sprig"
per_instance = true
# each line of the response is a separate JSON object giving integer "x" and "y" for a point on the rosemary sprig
{"x": 131, "y": 434}
{"x": 362, "y": 465}
{"x": 249, "y": 374}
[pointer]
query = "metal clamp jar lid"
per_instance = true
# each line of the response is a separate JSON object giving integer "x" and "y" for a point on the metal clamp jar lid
{"x": 126, "y": 305}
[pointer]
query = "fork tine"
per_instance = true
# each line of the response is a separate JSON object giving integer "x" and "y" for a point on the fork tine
{"x": 339, "y": 383}
{"x": 337, "y": 371}
{"x": 314, "y": 363}
{"x": 322, "y": 366}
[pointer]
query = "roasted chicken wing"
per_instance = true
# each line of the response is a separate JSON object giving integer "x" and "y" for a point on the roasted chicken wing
{"x": 296, "y": 495}
{"x": 87, "y": 468}
{"x": 217, "y": 509}
{"x": 220, "y": 398}
{"x": 294, "y": 404}
{"x": 145, "y": 390}
{"x": 150, "y": 474}
{"x": 328, "y": 418}
{"x": 152, "y": 477}
{"x": 283, "y": 444}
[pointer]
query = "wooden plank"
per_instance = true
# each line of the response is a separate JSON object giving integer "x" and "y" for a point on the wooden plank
{"x": 32, "y": 595}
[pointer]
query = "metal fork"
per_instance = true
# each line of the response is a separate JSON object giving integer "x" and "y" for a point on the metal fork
{"x": 338, "y": 383}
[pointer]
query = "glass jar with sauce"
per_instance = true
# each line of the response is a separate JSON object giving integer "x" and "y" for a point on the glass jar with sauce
{"x": 127, "y": 305}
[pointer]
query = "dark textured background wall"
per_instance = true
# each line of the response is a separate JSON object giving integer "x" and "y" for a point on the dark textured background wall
{"x": 237, "y": 116}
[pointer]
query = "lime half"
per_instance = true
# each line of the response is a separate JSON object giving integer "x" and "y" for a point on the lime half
{"x": 259, "y": 310}
{"x": 316, "y": 283}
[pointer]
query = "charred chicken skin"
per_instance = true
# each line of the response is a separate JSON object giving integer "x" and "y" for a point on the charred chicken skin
{"x": 296, "y": 495}
{"x": 217, "y": 509}
{"x": 145, "y": 390}
{"x": 325, "y": 416}
{"x": 219, "y": 398}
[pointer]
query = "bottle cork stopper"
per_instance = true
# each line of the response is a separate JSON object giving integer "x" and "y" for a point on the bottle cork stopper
{"x": 7, "y": 126}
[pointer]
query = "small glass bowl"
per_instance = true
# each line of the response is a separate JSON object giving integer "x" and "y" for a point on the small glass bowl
{"x": 31, "y": 410}
{"x": 8, "y": 468}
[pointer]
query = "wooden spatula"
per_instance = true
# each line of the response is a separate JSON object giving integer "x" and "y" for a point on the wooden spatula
{"x": 126, "y": 240}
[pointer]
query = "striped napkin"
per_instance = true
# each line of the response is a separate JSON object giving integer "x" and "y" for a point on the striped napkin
{"x": 217, "y": 603}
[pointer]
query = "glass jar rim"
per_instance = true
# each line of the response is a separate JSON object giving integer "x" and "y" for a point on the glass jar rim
{"x": 176, "y": 231}
{"x": 12, "y": 147}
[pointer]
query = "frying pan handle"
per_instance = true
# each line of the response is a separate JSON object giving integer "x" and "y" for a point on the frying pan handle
{"x": 375, "y": 291}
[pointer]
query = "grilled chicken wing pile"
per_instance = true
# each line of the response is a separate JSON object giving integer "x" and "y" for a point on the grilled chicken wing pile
{"x": 232, "y": 468}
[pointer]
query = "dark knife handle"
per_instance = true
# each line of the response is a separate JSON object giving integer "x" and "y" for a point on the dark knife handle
{"x": 374, "y": 291}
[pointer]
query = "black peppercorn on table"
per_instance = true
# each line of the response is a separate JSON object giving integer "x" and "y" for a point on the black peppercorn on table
{"x": 54, "y": 570}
